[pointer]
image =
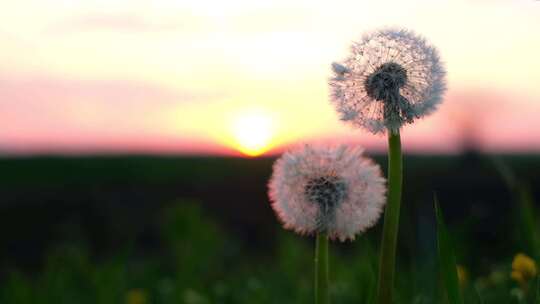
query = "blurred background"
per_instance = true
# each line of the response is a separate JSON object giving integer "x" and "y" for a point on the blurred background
{"x": 137, "y": 138}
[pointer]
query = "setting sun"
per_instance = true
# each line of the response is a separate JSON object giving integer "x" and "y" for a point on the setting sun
{"x": 253, "y": 133}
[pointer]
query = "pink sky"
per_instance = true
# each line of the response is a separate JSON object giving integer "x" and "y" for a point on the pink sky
{"x": 190, "y": 77}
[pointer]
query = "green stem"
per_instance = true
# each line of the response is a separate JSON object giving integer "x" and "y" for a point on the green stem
{"x": 391, "y": 220}
{"x": 321, "y": 269}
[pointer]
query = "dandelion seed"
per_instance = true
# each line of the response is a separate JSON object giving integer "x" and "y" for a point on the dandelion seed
{"x": 391, "y": 78}
{"x": 335, "y": 191}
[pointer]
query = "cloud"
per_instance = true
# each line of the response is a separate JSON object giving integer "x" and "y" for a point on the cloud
{"x": 492, "y": 119}
{"x": 117, "y": 23}
{"x": 51, "y": 109}
{"x": 52, "y": 90}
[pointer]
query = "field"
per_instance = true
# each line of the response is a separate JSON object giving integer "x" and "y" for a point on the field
{"x": 141, "y": 229}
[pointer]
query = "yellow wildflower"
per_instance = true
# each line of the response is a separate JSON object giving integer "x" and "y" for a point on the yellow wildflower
{"x": 136, "y": 296}
{"x": 462, "y": 274}
{"x": 523, "y": 269}
{"x": 517, "y": 276}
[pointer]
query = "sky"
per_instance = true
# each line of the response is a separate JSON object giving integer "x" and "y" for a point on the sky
{"x": 250, "y": 77}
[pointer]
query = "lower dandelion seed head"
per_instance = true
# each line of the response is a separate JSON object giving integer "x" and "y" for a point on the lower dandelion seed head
{"x": 321, "y": 189}
{"x": 326, "y": 191}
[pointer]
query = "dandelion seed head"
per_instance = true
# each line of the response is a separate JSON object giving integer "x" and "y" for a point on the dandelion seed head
{"x": 385, "y": 81}
{"x": 335, "y": 190}
{"x": 391, "y": 78}
{"x": 326, "y": 191}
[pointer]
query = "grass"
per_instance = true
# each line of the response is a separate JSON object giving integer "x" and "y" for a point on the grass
{"x": 202, "y": 264}
{"x": 198, "y": 257}
{"x": 447, "y": 260}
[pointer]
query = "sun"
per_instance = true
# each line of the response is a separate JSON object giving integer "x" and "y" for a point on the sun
{"x": 253, "y": 132}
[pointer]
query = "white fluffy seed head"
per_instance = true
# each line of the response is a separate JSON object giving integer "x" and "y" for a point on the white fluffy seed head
{"x": 391, "y": 78}
{"x": 335, "y": 190}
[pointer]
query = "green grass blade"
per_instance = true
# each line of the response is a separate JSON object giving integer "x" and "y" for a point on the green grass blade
{"x": 478, "y": 296}
{"x": 526, "y": 221}
{"x": 536, "y": 290}
{"x": 447, "y": 260}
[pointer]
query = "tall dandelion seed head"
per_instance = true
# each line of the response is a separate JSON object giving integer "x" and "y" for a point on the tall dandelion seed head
{"x": 335, "y": 190}
{"x": 391, "y": 78}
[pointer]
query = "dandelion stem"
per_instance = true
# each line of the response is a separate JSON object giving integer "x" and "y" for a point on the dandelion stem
{"x": 391, "y": 220}
{"x": 321, "y": 269}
